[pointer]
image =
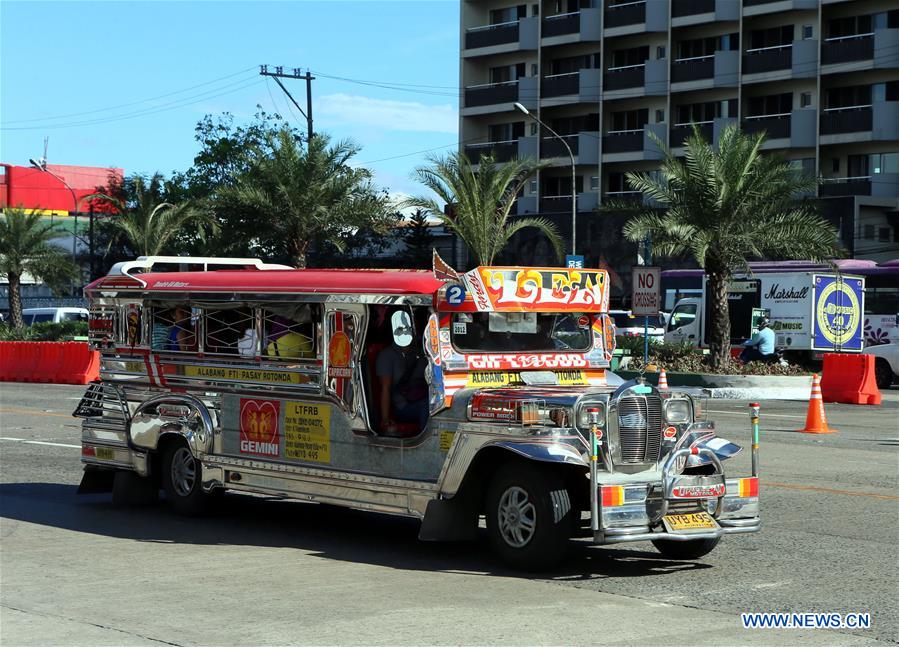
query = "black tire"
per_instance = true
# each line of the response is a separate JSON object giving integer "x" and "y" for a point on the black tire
{"x": 529, "y": 492}
{"x": 182, "y": 480}
{"x": 690, "y": 549}
{"x": 883, "y": 374}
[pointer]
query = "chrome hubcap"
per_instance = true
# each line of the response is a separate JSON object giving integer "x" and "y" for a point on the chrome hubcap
{"x": 517, "y": 517}
{"x": 184, "y": 471}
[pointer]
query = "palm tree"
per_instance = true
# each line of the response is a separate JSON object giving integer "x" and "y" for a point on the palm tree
{"x": 25, "y": 248}
{"x": 300, "y": 195}
{"x": 146, "y": 221}
{"x": 725, "y": 206}
{"x": 481, "y": 199}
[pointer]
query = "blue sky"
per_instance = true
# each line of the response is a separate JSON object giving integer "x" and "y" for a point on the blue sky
{"x": 60, "y": 58}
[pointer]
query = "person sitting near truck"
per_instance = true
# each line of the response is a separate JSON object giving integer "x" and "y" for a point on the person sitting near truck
{"x": 761, "y": 347}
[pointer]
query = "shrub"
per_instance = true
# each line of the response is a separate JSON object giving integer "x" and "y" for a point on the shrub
{"x": 63, "y": 331}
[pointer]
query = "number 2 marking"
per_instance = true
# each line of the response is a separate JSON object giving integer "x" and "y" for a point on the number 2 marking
{"x": 455, "y": 295}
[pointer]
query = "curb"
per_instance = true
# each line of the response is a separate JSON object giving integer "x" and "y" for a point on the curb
{"x": 735, "y": 387}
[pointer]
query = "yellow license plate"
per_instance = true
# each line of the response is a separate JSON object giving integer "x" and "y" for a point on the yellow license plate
{"x": 106, "y": 454}
{"x": 694, "y": 521}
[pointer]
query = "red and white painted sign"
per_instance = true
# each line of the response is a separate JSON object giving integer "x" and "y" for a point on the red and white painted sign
{"x": 512, "y": 289}
{"x": 259, "y": 431}
{"x": 646, "y": 293}
{"x": 520, "y": 361}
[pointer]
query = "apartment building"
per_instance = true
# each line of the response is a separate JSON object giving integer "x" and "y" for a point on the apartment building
{"x": 821, "y": 78}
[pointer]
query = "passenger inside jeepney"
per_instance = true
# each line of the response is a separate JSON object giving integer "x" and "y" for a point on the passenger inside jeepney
{"x": 290, "y": 331}
{"x": 173, "y": 330}
{"x": 397, "y": 371}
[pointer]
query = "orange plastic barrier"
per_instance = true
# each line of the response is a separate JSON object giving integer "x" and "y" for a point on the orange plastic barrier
{"x": 59, "y": 362}
{"x": 849, "y": 379}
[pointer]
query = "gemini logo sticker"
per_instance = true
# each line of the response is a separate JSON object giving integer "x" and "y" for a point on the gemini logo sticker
{"x": 838, "y": 312}
{"x": 259, "y": 433}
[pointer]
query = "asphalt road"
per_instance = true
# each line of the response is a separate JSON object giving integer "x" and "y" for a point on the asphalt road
{"x": 78, "y": 571}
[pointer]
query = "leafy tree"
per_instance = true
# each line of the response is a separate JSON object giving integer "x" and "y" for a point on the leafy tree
{"x": 725, "y": 206}
{"x": 146, "y": 223}
{"x": 482, "y": 198}
{"x": 419, "y": 241}
{"x": 25, "y": 248}
{"x": 298, "y": 195}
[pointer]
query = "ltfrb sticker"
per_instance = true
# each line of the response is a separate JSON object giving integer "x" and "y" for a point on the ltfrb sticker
{"x": 838, "y": 313}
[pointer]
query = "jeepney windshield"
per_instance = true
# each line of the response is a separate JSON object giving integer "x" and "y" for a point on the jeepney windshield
{"x": 504, "y": 332}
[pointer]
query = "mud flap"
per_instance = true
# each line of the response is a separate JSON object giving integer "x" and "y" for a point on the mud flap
{"x": 453, "y": 519}
{"x": 96, "y": 481}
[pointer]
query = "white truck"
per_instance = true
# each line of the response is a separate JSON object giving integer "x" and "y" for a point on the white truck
{"x": 812, "y": 312}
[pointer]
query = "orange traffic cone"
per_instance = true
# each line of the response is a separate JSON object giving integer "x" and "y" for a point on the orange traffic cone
{"x": 815, "y": 420}
{"x": 663, "y": 381}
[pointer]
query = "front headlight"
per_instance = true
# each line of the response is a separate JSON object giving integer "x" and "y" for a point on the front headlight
{"x": 677, "y": 411}
{"x": 591, "y": 413}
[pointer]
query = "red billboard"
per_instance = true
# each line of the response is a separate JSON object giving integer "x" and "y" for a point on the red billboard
{"x": 47, "y": 190}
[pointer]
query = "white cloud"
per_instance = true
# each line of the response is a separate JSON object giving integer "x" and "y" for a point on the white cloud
{"x": 387, "y": 114}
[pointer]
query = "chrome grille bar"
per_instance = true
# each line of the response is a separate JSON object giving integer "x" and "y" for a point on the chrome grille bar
{"x": 640, "y": 428}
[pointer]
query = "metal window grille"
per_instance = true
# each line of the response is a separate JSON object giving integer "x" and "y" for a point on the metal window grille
{"x": 174, "y": 329}
{"x": 290, "y": 336}
{"x": 230, "y": 331}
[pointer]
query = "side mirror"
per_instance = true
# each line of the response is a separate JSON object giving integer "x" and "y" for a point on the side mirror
{"x": 401, "y": 324}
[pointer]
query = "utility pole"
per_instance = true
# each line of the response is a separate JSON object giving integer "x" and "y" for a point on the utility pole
{"x": 279, "y": 74}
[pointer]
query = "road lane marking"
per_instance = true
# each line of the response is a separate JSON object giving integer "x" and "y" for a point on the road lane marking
{"x": 815, "y": 488}
{"x": 39, "y": 442}
{"x": 33, "y": 412}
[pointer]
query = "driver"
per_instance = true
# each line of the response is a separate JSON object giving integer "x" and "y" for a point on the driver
{"x": 403, "y": 392}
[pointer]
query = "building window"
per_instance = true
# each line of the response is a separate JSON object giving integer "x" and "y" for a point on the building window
{"x": 883, "y": 234}
{"x": 507, "y": 14}
{"x": 594, "y": 183}
{"x": 775, "y": 104}
{"x": 533, "y": 186}
{"x": 572, "y": 64}
{"x": 884, "y": 163}
{"x": 660, "y": 52}
{"x": 805, "y": 99}
{"x": 858, "y": 166}
{"x": 505, "y": 132}
{"x": 507, "y": 73}
{"x": 534, "y": 128}
{"x": 869, "y": 232}
{"x": 772, "y": 37}
{"x": 849, "y": 26}
{"x": 629, "y": 120}
{"x": 835, "y": 165}
{"x": 854, "y": 96}
{"x": 806, "y": 32}
{"x": 660, "y": 116}
{"x": 629, "y": 57}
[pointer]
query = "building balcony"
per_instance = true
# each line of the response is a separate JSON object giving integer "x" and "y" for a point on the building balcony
{"x": 621, "y": 15}
{"x": 768, "y": 59}
{"x": 776, "y": 126}
{"x": 503, "y": 37}
{"x": 501, "y": 151}
{"x": 632, "y": 76}
{"x": 845, "y": 186}
{"x": 552, "y": 147}
{"x": 680, "y": 133}
{"x": 490, "y": 35}
{"x": 578, "y": 26}
{"x": 633, "y": 145}
{"x": 572, "y": 87}
{"x": 584, "y": 147}
{"x": 557, "y": 85}
{"x": 854, "y": 119}
{"x": 562, "y": 203}
{"x": 848, "y": 49}
{"x": 622, "y": 141}
{"x": 693, "y": 69}
{"x": 562, "y": 24}
{"x": 681, "y": 8}
{"x": 491, "y": 94}
{"x": 757, "y": 7}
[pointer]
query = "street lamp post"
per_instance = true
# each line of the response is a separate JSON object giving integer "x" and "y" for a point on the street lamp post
{"x": 527, "y": 113}
{"x": 41, "y": 165}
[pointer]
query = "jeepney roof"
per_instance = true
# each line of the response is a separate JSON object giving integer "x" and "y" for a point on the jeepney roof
{"x": 309, "y": 281}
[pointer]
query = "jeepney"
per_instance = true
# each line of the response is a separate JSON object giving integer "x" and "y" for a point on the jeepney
{"x": 230, "y": 374}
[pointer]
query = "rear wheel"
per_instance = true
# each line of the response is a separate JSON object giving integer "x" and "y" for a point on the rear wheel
{"x": 690, "y": 549}
{"x": 181, "y": 477}
{"x": 883, "y": 374}
{"x": 528, "y": 516}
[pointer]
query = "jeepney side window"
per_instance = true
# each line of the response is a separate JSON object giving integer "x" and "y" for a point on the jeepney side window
{"x": 291, "y": 331}
{"x": 230, "y": 331}
{"x": 173, "y": 329}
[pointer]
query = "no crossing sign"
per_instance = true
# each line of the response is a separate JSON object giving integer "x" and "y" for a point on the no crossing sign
{"x": 646, "y": 294}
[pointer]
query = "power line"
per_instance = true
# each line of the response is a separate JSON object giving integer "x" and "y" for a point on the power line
{"x": 174, "y": 105}
{"x": 125, "y": 105}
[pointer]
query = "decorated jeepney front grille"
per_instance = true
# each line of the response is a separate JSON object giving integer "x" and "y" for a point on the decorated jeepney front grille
{"x": 639, "y": 428}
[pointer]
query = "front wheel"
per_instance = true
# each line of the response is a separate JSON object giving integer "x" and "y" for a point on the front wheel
{"x": 690, "y": 549}
{"x": 529, "y": 516}
{"x": 181, "y": 476}
{"x": 883, "y": 374}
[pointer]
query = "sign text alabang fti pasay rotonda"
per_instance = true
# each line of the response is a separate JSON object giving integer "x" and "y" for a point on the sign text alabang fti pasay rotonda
{"x": 646, "y": 295}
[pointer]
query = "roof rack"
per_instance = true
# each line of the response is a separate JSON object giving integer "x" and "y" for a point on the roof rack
{"x": 146, "y": 263}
